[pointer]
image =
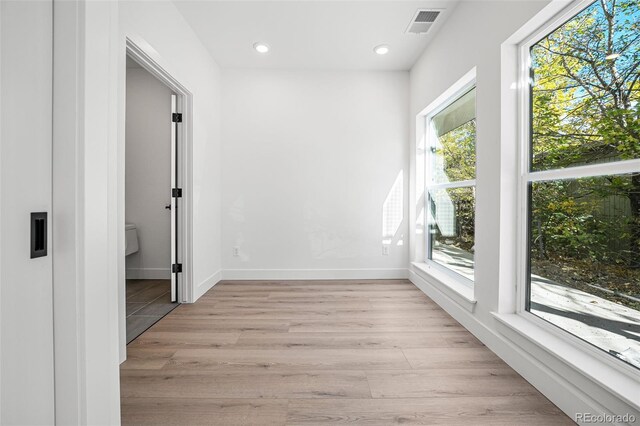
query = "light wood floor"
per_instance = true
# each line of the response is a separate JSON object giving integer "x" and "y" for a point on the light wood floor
{"x": 310, "y": 352}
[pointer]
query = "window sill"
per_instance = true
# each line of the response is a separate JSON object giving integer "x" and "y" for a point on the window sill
{"x": 524, "y": 332}
{"x": 460, "y": 293}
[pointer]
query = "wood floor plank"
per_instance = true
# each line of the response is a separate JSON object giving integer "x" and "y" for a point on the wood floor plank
{"x": 177, "y": 324}
{"x": 210, "y": 298}
{"x": 481, "y": 357}
{"x": 204, "y": 312}
{"x": 464, "y": 339}
{"x": 203, "y": 411}
{"x": 531, "y": 410}
{"x": 448, "y": 382}
{"x": 289, "y": 359}
{"x": 311, "y": 287}
{"x": 378, "y": 325}
{"x": 241, "y": 284}
{"x": 415, "y": 294}
{"x": 144, "y": 358}
{"x": 379, "y": 303}
{"x": 243, "y": 384}
{"x": 346, "y": 295}
{"x": 373, "y": 340}
{"x": 184, "y": 340}
{"x": 301, "y": 305}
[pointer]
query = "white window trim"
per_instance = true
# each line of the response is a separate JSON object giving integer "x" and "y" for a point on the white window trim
{"x": 525, "y": 330}
{"x": 456, "y": 283}
{"x": 525, "y": 177}
{"x": 444, "y": 280}
{"x": 449, "y": 277}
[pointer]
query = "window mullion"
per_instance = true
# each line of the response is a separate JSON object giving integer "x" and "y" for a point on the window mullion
{"x": 450, "y": 185}
{"x": 590, "y": 170}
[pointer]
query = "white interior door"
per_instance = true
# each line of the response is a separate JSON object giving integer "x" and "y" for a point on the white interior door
{"x": 26, "y": 293}
{"x": 175, "y": 269}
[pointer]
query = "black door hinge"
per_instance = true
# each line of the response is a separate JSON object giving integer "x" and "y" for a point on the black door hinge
{"x": 176, "y": 268}
{"x": 176, "y": 117}
{"x": 176, "y": 192}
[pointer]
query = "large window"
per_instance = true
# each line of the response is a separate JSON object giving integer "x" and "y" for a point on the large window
{"x": 582, "y": 180}
{"x": 450, "y": 187}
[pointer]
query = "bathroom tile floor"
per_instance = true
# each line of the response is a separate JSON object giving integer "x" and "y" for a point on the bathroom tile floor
{"x": 147, "y": 302}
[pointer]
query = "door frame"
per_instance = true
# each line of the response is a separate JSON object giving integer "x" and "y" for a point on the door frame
{"x": 143, "y": 54}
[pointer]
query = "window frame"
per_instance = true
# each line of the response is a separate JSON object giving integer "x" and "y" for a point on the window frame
{"x": 526, "y": 177}
{"x": 451, "y": 95}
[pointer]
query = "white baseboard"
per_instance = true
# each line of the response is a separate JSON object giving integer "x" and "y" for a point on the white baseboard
{"x": 206, "y": 285}
{"x": 314, "y": 274}
{"x": 573, "y": 392}
{"x": 148, "y": 274}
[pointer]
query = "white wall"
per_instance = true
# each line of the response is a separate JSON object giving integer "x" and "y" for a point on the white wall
{"x": 148, "y": 174}
{"x": 467, "y": 41}
{"x": 309, "y": 158}
{"x": 26, "y": 291}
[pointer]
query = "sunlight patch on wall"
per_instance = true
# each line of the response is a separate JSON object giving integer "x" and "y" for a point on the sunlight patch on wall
{"x": 393, "y": 210}
{"x": 420, "y": 219}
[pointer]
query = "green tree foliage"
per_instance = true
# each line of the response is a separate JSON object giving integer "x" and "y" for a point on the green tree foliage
{"x": 457, "y": 149}
{"x": 586, "y": 109}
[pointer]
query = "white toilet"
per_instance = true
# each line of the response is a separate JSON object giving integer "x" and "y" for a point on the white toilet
{"x": 131, "y": 236}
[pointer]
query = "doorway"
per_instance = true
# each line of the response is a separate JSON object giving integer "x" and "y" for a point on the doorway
{"x": 152, "y": 200}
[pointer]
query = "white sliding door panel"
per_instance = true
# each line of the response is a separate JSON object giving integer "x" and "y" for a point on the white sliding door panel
{"x": 26, "y": 317}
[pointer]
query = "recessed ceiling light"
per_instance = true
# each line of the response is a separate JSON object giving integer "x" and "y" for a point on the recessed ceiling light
{"x": 382, "y": 49}
{"x": 612, "y": 56}
{"x": 261, "y": 47}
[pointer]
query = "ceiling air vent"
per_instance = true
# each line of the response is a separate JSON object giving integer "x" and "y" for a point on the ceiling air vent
{"x": 422, "y": 21}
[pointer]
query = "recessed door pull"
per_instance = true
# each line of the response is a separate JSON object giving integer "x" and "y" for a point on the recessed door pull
{"x": 38, "y": 234}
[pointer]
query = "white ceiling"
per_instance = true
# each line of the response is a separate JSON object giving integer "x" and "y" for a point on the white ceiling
{"x": 311, "y": 34}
